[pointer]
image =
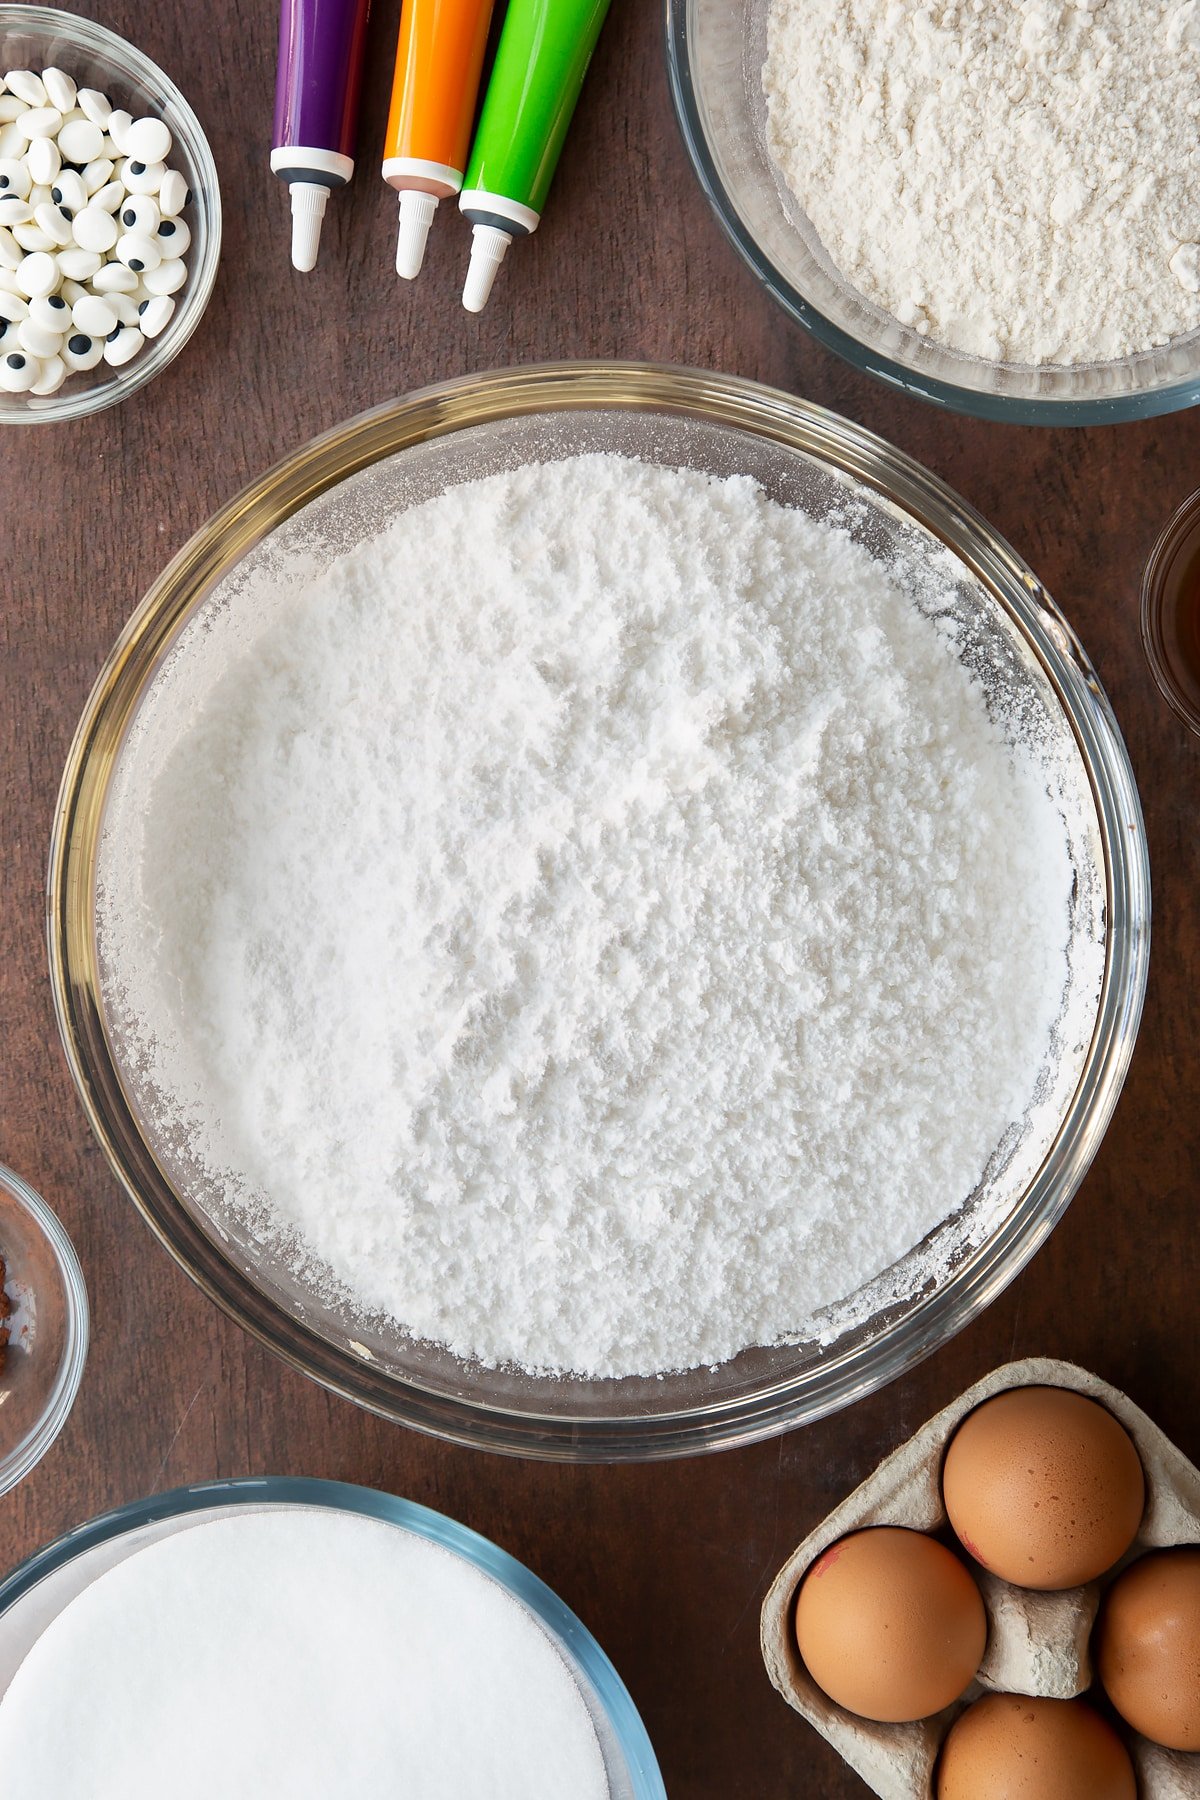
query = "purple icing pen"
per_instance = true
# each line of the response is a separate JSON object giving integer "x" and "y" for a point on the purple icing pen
{"x": 321, "y": 44}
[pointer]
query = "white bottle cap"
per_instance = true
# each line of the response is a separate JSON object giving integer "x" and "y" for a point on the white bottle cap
{"x": 489, "y": 247}
{"x": 308, "y": 210}
{"x": 416, "y": 216}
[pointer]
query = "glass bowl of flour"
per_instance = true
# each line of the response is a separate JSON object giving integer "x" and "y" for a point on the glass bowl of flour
{"x": 989, "y": 206}
{"x": 599, "y": 911}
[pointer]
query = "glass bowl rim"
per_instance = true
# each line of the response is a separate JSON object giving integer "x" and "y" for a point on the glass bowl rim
{"x": 81, "y": 403}
{"x": 564, "y": 1626}
{"x": 745, "y": 406}
{"x": 25, "y": 1455}
{"x": 975, "y": 403}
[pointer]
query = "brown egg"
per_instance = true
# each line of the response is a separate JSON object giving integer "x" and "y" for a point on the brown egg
{"x": 890, "y": 1624}
{"x": 1043, "y": 1487}
{"x": 1009, "y": 1747}
{"x": 1148, "y": 1647}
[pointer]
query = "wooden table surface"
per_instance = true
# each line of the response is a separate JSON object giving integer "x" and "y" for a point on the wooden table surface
{"x": 667, "y": 1565}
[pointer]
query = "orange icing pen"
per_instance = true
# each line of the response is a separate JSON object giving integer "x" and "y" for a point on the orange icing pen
{"x": 439, "y": 60}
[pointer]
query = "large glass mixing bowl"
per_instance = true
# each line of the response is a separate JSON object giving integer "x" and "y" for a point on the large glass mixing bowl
{"x": 715, "y": 55}
{"x": 341, "y": 489}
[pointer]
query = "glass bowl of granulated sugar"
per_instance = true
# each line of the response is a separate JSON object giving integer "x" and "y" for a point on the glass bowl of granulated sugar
{"x": 989, "y": 206}
{"x": 443, "y": 1667}
{"x": 599, "y": 911}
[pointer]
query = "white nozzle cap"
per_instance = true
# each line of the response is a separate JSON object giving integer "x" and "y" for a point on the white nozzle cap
{"x": 416, "y": 216}
{"x": 489, "y": 247}
{"x": 308, "y": 209}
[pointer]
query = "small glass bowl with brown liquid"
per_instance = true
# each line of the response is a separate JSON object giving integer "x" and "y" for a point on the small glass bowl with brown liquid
{"x": 1171, "y": 612}
{"x": 46, "y": 1323}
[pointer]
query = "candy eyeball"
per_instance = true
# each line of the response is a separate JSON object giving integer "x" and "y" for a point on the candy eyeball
{"x": 82, "y": 352}
{"x": 122, "y": 345}
{"x": 149, "y": 141}
{"x": 139, "y": 213}
{"x": 18, "y": 371}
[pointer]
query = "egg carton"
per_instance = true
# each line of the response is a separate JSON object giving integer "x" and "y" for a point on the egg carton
{"x": 1037, "y": 1642}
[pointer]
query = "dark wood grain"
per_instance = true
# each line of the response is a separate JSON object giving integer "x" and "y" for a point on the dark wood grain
{"x": 668, "y": 1564}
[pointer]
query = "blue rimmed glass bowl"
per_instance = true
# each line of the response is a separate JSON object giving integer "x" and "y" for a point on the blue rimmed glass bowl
{"x": 715, "y": 54}
{"x": 39, "y": 1589}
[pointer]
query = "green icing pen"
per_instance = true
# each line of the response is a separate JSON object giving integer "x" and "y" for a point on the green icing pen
{"x": 542, "y": 58}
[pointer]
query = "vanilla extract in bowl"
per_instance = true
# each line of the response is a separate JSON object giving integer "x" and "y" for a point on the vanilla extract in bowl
{"x": 1171, "y": 612}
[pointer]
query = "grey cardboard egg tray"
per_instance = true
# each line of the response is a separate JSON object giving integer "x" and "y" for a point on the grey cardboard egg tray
{"x": 1037, "y": 1642}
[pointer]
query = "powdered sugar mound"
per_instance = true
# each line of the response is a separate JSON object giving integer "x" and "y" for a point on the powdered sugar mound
{"x": 597, "y": 919}
{"x": 1018, "y": 181}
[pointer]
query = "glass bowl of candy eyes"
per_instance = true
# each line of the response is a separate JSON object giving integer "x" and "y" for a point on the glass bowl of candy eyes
{"x": 44, "y": 1328}
{"x": 36, "y": 38}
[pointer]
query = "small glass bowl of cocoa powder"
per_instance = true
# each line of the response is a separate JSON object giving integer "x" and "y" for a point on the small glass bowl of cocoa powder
{"x": 43, "y": 1328}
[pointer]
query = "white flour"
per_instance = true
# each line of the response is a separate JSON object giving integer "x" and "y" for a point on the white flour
{"x": 266, "y": 1655}
{"x": 1019, "y": 180}
{"x": 597, "y": 917}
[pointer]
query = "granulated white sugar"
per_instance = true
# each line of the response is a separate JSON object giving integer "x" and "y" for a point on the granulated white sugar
{"x": 596, "y": 921}
{"x": 1018, "y": 181}
{"x": 287, "y": 1652}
